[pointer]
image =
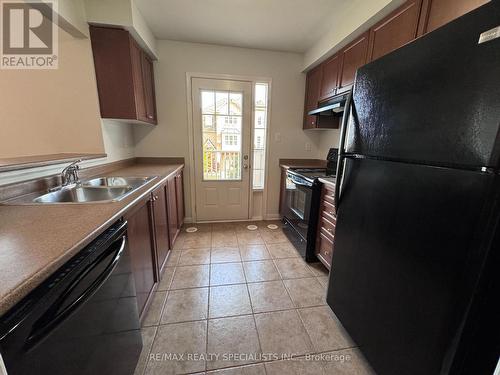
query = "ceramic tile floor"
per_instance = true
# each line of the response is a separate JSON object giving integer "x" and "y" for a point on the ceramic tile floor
{"x": 233, "y": 301}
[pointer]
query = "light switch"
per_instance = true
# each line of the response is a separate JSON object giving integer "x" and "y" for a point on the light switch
{"x": 277, "y": 137}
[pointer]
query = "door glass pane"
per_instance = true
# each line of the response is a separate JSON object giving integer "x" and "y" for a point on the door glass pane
{"x": 207, "y": 102}
{"x": 222, "y": 136}
{"x": 259, "y": 141}
{"x": 235, "y": 102}
{"x": 222, "y": 102}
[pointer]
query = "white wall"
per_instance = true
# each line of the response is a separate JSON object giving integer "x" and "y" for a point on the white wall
{"x": 52, "y": 111}
{"x": 72, "y": 17}
{"x": 122, "y": 13}
{"x": 328, "y": 139}
{"x": 170, "y": 136}
{"x": 118, "y": 138}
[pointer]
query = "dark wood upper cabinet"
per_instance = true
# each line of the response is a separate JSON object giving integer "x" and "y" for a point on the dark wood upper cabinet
{"x": 313, "y": 86}
{"x": 124, "y": 74}
{"x": 411, "y": 20}
{"x": 330, "y": 79}
{"x": 149, "y": 88}
{"x": 162, "y": 243}
{"x": 396, "y": 30}
{"x": 353, "y": 57}
{"x": 137, "y": 81}
{"x": 139, "y": 233}
{"x": 437, "y": 13}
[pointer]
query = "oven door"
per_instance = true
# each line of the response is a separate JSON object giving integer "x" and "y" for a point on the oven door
{"x": 298, "y": 202}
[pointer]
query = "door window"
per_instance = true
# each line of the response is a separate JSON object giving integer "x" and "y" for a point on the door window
{"x": 222, "y": 113}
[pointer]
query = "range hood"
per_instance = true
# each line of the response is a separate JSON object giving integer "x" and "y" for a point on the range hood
{"x": 332, "y": 107}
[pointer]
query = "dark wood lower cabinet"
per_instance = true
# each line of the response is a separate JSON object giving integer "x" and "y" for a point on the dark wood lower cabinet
{"x": 326, "y": 226}
{"x": 173, "y": 226}
{"x": 153, "y": 226}
{"x": 162, "y": 243}
{"x": 141, "y": 246}
{"x": 179, "y": 191}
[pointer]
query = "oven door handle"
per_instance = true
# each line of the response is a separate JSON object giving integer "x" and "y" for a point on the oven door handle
{"x": 51, "y": 320}
{"x": 301, "y": 184}
{"x": 299, "y": 181}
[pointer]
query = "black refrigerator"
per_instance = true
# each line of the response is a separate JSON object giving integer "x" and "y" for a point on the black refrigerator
{"x": 415, "y": 268}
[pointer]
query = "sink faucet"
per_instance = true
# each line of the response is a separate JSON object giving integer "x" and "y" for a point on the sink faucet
{"x": 69, "y": 175}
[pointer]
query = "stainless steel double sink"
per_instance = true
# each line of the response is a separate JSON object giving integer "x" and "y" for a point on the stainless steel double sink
{"x": 101, "y": 189}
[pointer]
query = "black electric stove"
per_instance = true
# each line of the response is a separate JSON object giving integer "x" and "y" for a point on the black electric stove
{"x": 310, "y": 174}
{"x": 301, "y": 211}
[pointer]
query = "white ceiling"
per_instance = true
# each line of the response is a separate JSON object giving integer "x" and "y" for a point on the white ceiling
{"x": 282, "y": 25}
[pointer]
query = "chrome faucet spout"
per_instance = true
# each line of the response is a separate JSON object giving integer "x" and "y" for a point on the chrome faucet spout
{"x": 69, "y": 175}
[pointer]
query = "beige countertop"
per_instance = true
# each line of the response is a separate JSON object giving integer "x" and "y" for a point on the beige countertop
{"x": 24, "y": 162}
{"x": 302, "y": 163}
{"x": 35, "y": 240}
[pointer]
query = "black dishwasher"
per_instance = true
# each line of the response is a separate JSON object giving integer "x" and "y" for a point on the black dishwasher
{"x": 82, "y": 320}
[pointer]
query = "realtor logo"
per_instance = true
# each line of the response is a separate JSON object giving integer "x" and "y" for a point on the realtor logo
{"x": 29, "y": 35}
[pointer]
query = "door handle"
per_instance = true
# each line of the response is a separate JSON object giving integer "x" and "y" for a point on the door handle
{"x": 245, "y": 163}
{"x": 340, "y": 162}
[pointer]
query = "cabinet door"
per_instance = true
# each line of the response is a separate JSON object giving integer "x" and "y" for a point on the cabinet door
{"x": 353, "y": 57}
{"x": 179, "y": 191}
{"x": 173, "y": 225}
{"x": 330, "y": 80}
{"x": 113, "y": 70}
{"x": 141, "y": 252}
{"x": 139, "y": 89}
{"x": 397, "y": 29}
{"x": 149, "y": 88}
{"x": 313, "y": 85}
{"x": 440, "y": 12}
{"x": 161, "y": 225}
{"x": 124, "y": 75}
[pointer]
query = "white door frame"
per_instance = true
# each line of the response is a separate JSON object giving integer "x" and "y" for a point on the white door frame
{"x": 189, "y": 101}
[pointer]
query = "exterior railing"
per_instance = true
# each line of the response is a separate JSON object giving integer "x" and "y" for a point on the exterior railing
{"x": 222, "y": 165}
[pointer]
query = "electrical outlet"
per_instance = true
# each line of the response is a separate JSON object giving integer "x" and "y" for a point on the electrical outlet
{"x": 277, "y": 137}
{"x": 308, "y": 146}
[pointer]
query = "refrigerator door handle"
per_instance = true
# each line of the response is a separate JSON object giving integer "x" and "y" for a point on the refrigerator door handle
{"x": 340, "y": 163}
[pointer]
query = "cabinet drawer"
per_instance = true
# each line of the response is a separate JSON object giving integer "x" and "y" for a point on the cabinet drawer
{"x": 328, "y": 196}
{"x": 328, "y": 210}
{"x": 325, "y": 250}
{"x": 327, "y": 227}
